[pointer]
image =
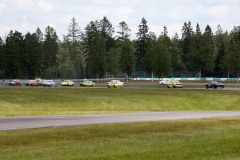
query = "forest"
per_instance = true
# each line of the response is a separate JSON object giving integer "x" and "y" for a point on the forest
{"x": 101, "y": 51}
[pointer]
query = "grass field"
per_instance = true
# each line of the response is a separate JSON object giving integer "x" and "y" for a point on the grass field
{"x": 16, "y": 101}
{"x": 208, "y": 139}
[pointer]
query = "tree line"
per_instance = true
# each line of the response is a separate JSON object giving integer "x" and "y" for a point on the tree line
{"x": 100, "y": 51}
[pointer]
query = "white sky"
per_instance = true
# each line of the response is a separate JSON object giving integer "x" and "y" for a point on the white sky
{"x": 27, "y": 15}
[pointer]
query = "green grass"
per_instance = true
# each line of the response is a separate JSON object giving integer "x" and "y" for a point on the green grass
{"x": 16, "y": 101}
{"x": 208, "y": 139}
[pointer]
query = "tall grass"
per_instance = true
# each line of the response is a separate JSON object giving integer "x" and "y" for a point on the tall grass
{"x": 15, "y": 101}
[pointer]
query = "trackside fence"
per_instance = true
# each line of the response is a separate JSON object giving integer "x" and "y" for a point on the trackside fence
{"x": 189, "y": 79}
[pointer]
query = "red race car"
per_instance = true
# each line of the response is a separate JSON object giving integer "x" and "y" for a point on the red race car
{"x": 15, "y": 82}
{"x": 33, "y": 83}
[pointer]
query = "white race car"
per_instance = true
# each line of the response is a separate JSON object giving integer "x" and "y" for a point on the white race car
{"x": 49, "y": 83}
{"x": 165, "y": 81}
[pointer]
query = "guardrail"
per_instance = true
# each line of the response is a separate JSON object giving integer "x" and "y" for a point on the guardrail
{"x": 190, "y": 79}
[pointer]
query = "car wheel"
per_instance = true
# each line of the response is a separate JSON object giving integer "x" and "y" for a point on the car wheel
{"x": 174, "y": 86}
{"x": 108, "y": 86}
{"x": 167, "y": 86}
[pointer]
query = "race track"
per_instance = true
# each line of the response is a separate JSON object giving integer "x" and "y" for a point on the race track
{"x": 27, "y": 122}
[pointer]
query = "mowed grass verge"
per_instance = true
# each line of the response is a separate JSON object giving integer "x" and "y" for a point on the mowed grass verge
{"x": 18, "y": 101}
{"x": 208, "y": 139}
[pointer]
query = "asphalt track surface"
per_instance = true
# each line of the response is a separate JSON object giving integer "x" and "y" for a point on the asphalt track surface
{"x": 103, "y": 84}
{"x": 27, "y": 122}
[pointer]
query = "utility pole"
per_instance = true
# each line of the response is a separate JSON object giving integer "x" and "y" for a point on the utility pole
{"x": 228, "y": 75}
{"x": 238, "y": 78}
{"x": 200, "y": 74}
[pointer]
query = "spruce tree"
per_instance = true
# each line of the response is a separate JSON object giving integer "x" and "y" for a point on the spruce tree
{"x": 232, "y": 58}
{"x": 50, "y": 50}
{"x": 187, "y": 34}
{"x": 148, "y": 58}
{"x": 141, "y": 44}
{"x": 2, "y": 59}
{"x": 74, "y": 35}
{"x": 97, "y": 61}
{"x": 14, "y": 55}
{"x": 176, "y": 54}
{"x": 32, "y": 50}
{"x": 88, "y": 37}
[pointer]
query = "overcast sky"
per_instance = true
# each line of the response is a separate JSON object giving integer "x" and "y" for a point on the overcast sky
{"x": 27, "y": 15}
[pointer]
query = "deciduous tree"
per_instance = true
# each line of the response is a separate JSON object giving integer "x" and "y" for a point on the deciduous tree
{"x": 127, "y": 57}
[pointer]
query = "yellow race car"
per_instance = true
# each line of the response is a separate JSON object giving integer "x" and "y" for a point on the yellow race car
{"x": 87, "y": 83}
{"x": 41, "y": 82}
{"x": 174, "y": 84}
{"x": 67, "y": 83}
{"x": 115, "y": 84}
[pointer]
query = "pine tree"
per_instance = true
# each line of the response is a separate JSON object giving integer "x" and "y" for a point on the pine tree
{"x": 50, "y": 50}
{"x": 32, "y": 48}
{"x": 208, "y": 50}
{"x": 187, "y": 34}
{"x": 39, "y": 35}
{"x": 200, "y": 58}
{"x": 88, "y": 37}
{"x": 97, "y": 59}
{"x": 232, "y": 58}
{"x": 2, "y": 59}
{"x": 176, "y": 54}
{"x": 14, "y": 55}
{"x": 74, "y": 35}
{"x": 148, "y": 59}
{"x": 162, "y": 58}
{"x": 126, "y": 55}
{"x": 107, "y": 31}
{"x": 41, "y": 67}
{"x": 123, "y": 32}
{"x": 141, "y": 43}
